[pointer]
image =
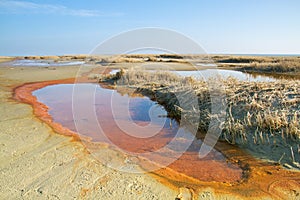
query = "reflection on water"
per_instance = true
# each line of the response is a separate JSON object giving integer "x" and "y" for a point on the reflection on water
{"x": 211, "y": 73}
{"x": 43, "y": 63}
{"x": 114, "y": 71}
{"x": 127, "y": 122}
{"x": 206, "y": 64}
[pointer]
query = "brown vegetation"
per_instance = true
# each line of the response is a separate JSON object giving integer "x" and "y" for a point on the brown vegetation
{"x": 262, "y": 117}
{"x": 260, "y": 63}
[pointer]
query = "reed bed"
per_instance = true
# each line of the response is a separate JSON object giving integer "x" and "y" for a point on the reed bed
{"x": 280, "y": 66}
{"x": 262, "y": 117}
{"x": 286, "y": 64}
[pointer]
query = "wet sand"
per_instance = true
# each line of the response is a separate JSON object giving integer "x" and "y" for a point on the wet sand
{"x": 37, "y": 162}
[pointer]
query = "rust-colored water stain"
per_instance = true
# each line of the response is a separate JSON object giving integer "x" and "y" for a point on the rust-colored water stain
{"x": 262, "y": 180}
{"x": 259, "y": 178}
{"x": 211, "y": 168}
{"x": 23, "y": 93}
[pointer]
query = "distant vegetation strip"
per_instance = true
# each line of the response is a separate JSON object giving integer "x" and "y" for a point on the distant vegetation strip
{"x": 262, "y": 64}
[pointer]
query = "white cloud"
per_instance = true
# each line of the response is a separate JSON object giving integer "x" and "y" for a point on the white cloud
{"x": 19, "y": 7}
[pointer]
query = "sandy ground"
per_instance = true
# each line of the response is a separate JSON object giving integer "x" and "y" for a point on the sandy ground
{"x": 37, "y": 163}
{"x": 6, "y": 59}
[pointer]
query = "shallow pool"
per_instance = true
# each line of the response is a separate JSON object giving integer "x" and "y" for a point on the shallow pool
{"x": 135, "y": 126}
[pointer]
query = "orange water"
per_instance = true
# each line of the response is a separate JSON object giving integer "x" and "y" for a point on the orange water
{"x": 90, "y": 113}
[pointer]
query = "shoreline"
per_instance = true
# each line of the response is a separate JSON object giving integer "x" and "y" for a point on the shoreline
{"x": 23, "y": 94}
{"x": 37, "y": 162}
{"x": 255, "y": 171}
{"x": 35, "y": 145}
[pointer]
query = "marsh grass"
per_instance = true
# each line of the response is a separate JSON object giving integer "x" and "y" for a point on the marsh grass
{"x": 280, "y": 66}
{"x": 259, "y": 114}
{"x": 260, "y": 63}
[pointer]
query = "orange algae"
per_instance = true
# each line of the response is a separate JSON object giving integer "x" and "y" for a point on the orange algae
{"x": 258, "y": 178}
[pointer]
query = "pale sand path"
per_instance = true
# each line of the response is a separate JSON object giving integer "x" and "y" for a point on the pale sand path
{"x": 36, "y": 163}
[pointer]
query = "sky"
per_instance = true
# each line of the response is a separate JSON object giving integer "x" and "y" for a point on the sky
{"x": 30, "y": 27}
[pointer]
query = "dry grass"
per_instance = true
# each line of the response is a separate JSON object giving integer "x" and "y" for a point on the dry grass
{"x": 258, "y": 113}
{"x": 242, "y": 59}
{"x": 260, "y": 63}
{"x": 272, "y": 106}
{"x": 281, "y": 67}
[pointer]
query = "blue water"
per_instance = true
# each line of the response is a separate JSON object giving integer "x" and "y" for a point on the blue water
{"x": 211, "y": 73}
{"x": 43, "y": 63}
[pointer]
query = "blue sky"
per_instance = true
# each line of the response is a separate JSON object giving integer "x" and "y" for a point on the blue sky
{"x": 220, "y": 26}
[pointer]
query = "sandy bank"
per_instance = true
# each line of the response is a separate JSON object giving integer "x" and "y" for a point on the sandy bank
{"x": 36, "y": 162}
{"x": 6, "y": 59}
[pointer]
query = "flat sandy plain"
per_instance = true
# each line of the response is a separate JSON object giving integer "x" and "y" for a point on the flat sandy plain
{"x": 38, "y": 163}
